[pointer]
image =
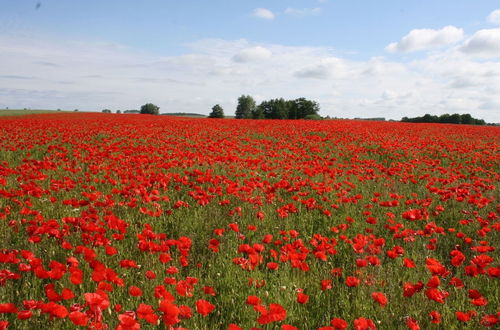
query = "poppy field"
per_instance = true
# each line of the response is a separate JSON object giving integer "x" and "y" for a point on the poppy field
{"x": 138, "y": 222}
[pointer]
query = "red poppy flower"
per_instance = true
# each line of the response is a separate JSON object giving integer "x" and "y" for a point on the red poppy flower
{"x": 272, "y": 265}
{"x": 364, "y": 324}
{"x": 135, "y": 291}
{"x": 275, "y": 313}
{"x": 464, "y": 317}
{"x": 78, "y": 318}
{"x": 380, "y": 298}
{"x": 204, "y": 307}
{"x": 24, "y": 315}
{"x": 288, "y": 327}
{"x": 339, "y": 323}
{"x": 412, "y": 324}
{"x": 326, "y": 285}
{"x": 352, "y": 281}
{"x": 253, "y": 300}
{"x": 302, "y": 298}
{"x": 435, "y": 317}
{"x": 408, "y": 263}
{"x": 170, "y": 312}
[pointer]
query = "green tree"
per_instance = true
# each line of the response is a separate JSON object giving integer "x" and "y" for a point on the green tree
{"x": 246, "y": 105}
{"x": 444, "y": 118}
{"x": 275, "y": 108}
{"x": 466, "y": 119}
{"x": 455, "y": 118}
{"x": 301, "y": 107}
{"x": 106, "y": 111}
{"x": 217, "y": 112}
{"x": 478, "y": 121}
{"x": 150, "y": 109}
{"x": 258, "y": 113}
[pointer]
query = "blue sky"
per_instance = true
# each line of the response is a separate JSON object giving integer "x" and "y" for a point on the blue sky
{"x": 356, "y": 58}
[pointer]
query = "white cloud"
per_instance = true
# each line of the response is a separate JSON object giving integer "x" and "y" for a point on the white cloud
{"x": 263, "y": 13}
{"x": 330, "y": 67}
{"x": 420, "y": 39}
{"x": 302, "y": 11}
{"x": 484, "y": 43}
{"x": 494, "y": 17}
{"x": 252, "y": 54}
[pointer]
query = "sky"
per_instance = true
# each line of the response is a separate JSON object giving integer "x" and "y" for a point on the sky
{"x": 386, "y": 58}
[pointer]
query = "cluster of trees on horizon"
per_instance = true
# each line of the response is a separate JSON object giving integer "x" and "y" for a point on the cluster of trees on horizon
{"x": 300, "y": 108}
{"x": 247, "y": 108}
{"x": 446, "y": 118}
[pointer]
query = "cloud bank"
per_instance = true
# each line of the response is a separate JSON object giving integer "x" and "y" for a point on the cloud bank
{"x": 93, "y": 75}
{"x": 420, "y": 39}
{"x": 484, "y": 43}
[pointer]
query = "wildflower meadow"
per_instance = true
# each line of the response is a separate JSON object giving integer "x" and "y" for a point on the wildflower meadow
{"x": 140, "y": 222}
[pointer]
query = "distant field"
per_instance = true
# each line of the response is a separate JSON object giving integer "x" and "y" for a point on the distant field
{"x": 19, "y": 112}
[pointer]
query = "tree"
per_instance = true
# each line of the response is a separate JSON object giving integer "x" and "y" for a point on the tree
{"x": 150, "y": 109}
{"x": 106, "y": 111}
{"x": 275, "y": 108}
{"x": 301, "y": 108}
{"x": 246, "y": 105}
{"x": 466, "y": 119}
{"x": 455, "y": 118}
{"x": 446, "y": 119}
{"x": 217, "y": 112}
{"x": 258, "y": 113}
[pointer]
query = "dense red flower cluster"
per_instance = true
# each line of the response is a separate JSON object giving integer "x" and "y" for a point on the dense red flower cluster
{"x": 127, "y": 221}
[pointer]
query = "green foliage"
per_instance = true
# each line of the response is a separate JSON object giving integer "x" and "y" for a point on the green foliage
{"x": 217, "y": 112}
{"x": 246, "y": 105}
{"x": 300, "y": 108}
{"x": 150, "y": 109}
{"x": 313, "y": 117}
{"x": 455, "y": 118}
{"x": 106, "y": 111}
{"x": 275, "y": 109}
{"x": 258, "y": 113}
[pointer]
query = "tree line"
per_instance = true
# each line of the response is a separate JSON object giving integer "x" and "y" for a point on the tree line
{"x": 247, "y": 108}
{"x": 455, "y": 118}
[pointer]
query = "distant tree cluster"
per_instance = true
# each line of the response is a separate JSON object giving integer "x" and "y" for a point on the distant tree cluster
{"x": 150, "y": 109}
{"x": 300, "y": 108}
{"x": 106, "y": 110}
{"x": 217, "y": 112}
{"x": 455, "y": 118}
